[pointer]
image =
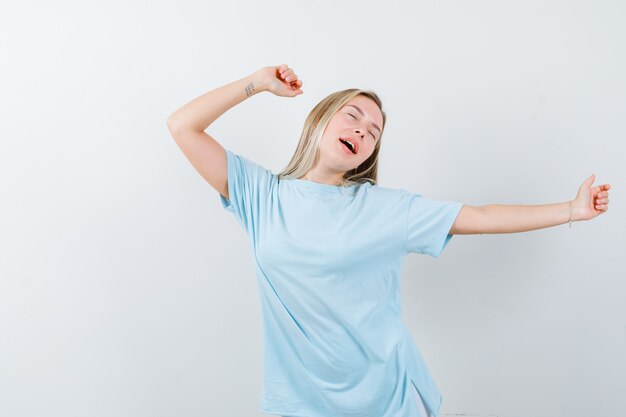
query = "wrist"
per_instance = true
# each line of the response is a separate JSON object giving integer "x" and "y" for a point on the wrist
{"x": 256, "y": 83}
{"x": 575, "y": 211}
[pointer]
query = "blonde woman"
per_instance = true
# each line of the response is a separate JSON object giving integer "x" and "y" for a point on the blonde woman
{"x": 328, "y": 244}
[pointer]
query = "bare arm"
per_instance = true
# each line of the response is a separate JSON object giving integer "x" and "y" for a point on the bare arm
{"x": 498, "y": 218}
{"x": 187, "y": 124}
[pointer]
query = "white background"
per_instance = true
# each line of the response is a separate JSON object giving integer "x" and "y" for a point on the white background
{"x": 126, "y": 289}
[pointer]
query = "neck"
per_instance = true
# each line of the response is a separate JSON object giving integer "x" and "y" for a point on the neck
{"x": 324, "y": 177}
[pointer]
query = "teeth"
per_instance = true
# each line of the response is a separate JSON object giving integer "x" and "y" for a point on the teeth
{"x": 350, "y": 143}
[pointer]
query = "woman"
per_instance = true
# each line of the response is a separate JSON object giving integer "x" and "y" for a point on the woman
{"x": 328, "y": 245}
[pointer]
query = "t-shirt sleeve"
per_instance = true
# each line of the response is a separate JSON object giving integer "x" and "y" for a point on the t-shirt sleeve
{"x": 429, "y": 223}
{"x": 249, "y": 187}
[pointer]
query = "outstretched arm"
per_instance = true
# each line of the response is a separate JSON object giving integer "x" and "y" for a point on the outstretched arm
{"x": 187, "y": 124}
{"x": 498, "y": 218}
{"x": 202, "y": 111}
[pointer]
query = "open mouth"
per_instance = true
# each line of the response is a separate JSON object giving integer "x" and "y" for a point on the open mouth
{"x": 350, "y": 145}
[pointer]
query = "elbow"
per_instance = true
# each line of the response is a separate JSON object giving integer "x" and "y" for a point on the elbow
{"x": 170, "y": 121}
{"x": 172, "y": 125}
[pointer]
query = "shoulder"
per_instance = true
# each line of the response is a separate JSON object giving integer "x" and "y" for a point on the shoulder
{"x": 244, "y": 160}
{"x": 240, "y": 164}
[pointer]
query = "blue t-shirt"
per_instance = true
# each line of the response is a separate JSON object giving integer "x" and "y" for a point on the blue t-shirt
{"x": 327, "y": 261}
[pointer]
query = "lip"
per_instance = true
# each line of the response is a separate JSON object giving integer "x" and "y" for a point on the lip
{"x": 354, "y": 142}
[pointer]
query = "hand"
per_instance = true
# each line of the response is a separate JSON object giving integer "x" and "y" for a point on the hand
{"x": 280, "y": 80}
{"x": 590, "y": 201}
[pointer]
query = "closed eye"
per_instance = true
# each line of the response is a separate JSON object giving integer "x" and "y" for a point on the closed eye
{"x": 354, "y": 117}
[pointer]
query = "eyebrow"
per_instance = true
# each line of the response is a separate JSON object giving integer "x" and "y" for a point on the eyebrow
{"x": 363, "y": 114}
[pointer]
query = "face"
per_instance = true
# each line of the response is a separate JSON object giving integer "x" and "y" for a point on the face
{"x": 359, "y": 121}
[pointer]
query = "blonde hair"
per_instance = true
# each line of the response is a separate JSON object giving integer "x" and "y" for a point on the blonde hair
{"x": 307, "y": 152}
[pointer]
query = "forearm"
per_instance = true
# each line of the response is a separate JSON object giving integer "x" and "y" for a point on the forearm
{"x": 500, "y": 218}
{"x": 199, "y": 113}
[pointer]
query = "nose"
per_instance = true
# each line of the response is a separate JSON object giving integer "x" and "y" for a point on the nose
{"x": 359, "y": 131}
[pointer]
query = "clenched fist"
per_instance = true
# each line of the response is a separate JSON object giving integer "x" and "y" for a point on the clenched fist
{"x": 279, "y": 80}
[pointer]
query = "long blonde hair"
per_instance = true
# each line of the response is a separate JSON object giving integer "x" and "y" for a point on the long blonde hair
{"x": 307, "y": 152}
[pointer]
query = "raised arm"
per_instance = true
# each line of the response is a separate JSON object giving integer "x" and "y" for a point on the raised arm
{"x": 187, "y": 124}
{"x": 497, "y": 218}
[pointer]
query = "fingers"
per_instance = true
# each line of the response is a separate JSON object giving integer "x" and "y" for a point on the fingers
{"x": 602, "y": 199}
{"x": 287, "y": 74}
{"x": 604, "y": 187}
{"x": 295, "y": 91}
{"x": 603, "y": 195}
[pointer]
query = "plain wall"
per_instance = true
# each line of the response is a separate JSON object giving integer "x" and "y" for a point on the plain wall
{"x": 127, "y": 290}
